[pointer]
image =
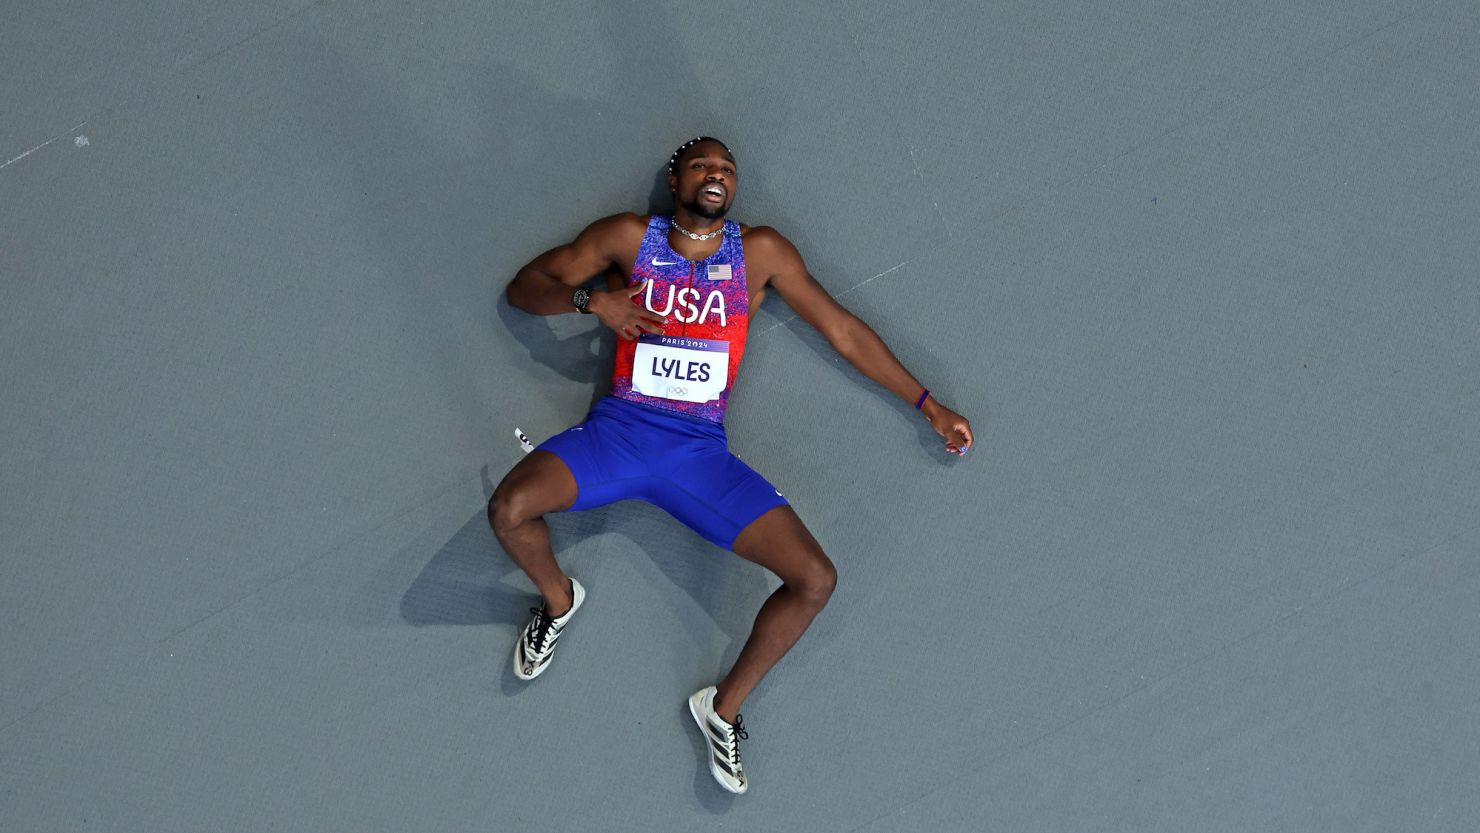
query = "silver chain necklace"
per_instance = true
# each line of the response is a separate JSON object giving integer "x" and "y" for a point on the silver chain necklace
{"x": 692, "y": 236}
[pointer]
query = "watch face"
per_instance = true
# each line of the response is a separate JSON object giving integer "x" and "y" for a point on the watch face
{"x": 581, "y": 299}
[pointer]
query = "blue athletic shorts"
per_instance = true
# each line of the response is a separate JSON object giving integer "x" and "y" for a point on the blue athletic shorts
{"x": 680, "y": 464}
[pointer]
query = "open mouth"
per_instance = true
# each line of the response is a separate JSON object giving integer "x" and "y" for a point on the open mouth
{"x": 713, "y": 192}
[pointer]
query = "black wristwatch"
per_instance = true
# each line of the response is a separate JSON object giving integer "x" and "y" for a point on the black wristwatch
{"x": 581, "y": 299}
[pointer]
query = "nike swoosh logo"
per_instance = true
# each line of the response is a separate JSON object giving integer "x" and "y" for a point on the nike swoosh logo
{"x": 657, "y": 262}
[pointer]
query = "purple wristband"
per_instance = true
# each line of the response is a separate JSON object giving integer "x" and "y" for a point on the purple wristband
{"x": 920, "y": 403}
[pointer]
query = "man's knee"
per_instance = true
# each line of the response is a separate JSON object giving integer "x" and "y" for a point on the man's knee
{"x": 817, "y": 581}
{"x": 540, "y": 483}
{"x": 508, "y": 508}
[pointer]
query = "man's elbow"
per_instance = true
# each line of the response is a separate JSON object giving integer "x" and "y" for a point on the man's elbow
{"x": 517, "y": 294}
{"x": 845, "y": 344}
{"x": 850, "y": 339}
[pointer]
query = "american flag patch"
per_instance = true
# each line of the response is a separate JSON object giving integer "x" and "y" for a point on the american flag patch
{"x": 718, "y": 272}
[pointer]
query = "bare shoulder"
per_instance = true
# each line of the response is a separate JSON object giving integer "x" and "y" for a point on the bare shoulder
{"x": 610, "y": 242}
{"x": 614, "y": 239}
{"x": 764, "y": 237}
{"x": 779, "y": 265}
{"x": 617, "y": 227}
{"x": 768, "y": 251}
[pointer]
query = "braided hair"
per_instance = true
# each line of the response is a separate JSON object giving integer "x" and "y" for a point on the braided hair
{"x": 673, "y": 160}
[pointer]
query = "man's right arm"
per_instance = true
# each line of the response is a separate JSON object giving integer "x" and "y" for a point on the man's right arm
{"x": 545, "y": 285}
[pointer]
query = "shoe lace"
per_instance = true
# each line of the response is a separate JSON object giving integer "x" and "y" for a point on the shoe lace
{"x": 737, "y": 734}
{"x": 541, "y": 625}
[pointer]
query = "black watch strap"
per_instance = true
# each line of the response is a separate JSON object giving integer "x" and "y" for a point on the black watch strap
{"x": 582, "y": 299}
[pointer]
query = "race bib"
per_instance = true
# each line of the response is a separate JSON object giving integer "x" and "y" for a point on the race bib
{"x": 685, "y": 369}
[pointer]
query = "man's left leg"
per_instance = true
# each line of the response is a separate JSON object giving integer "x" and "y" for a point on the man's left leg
{"x": 778, "y": 541}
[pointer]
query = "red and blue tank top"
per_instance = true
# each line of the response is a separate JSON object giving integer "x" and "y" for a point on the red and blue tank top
{"x": 690, "y": 368}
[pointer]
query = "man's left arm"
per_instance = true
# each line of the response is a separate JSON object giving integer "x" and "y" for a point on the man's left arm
{"x": 850, "y": 336}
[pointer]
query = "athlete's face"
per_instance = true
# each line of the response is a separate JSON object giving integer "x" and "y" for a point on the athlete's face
{"x": 704, "y": 180}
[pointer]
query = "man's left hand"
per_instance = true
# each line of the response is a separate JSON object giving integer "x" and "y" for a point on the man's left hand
{"x": 951, "y": 426}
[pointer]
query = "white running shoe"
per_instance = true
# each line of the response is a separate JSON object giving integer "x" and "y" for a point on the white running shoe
{"x": 537, "y": 644}
{"x": 721, "y": 741}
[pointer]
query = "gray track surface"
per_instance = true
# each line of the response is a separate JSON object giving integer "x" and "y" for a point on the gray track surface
{"x": 1204, "y": 280}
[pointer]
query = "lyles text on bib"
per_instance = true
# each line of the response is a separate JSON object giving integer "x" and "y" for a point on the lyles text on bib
{"x": 680, "y": 368}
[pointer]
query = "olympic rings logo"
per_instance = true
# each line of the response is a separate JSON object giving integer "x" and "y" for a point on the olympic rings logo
{"x": 675, "y": 390}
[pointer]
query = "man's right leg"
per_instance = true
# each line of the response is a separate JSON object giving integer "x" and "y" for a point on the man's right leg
{"x": 539, "y": 484}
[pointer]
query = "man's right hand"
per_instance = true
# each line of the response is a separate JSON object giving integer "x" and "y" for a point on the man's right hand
{"x": 628, "y": 320}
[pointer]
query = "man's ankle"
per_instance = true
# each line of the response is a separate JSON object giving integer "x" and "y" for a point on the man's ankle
{"x": 556, "y": 608}
{"x": 723, "y": 709}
